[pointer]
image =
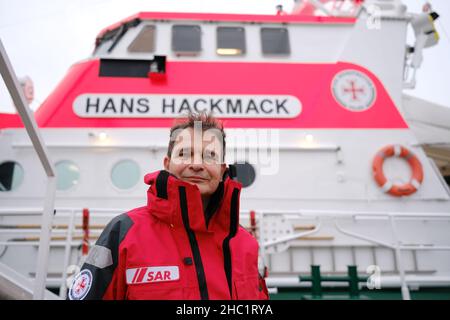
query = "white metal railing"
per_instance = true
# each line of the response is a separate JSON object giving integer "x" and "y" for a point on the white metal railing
{"x": 67, "y": 251}
{"x": 332, "y": 8}
{"x": 335, "y": 215}
{"x": 318, "y": 216}
{"x": 39, "y": 146}
{"x": 67, "y": 212}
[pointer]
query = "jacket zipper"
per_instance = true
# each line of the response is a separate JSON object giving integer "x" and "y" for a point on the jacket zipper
{"x": 226, "y": 242}
{"x": 194, "y": 246}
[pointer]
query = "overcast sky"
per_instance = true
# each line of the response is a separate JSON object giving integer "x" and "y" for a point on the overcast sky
{"x": 44, "y": 37}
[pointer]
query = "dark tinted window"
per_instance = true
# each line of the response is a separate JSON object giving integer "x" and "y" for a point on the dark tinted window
{"x": 145, "y": 40}
{"x": 11, "y": 175}
{"x": 186, "y": 39}
{"x": 230, "y": 40}
{"x": 245, "y": 173}
{"x": 275, "y": 41}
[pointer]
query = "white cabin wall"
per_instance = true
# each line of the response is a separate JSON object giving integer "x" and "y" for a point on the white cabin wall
{"x": 380, "y": 50}
{"x": 303, "y": 178}
{"x": 310, "y": 43}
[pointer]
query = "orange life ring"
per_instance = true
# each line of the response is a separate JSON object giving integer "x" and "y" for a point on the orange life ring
{"x": 387, "y": 186}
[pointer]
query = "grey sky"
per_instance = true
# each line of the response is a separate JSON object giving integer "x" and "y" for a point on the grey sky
{"x": 43, "y": 38}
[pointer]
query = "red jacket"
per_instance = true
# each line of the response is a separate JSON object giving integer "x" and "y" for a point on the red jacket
{"x": 172, "y": 249}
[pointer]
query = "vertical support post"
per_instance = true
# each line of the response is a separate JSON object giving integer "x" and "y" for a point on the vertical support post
{"x": 44, "y": 243}
{"x": 353, "y": 281}
{"x": 67, "y": 254}
{"x": 253, "y": 222}
{"x": 85, "y": 247}
{"x": 262, "y": 249}
{"x": 316, "y": 280}
{"x": 398, "y": 258}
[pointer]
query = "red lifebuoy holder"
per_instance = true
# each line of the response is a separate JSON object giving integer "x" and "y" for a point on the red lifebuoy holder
{"x": 386, "y": 185}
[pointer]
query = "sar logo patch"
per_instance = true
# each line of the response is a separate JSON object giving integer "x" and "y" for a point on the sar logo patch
{"x": 81, "y": 285}
{"x": 152, "y": 274}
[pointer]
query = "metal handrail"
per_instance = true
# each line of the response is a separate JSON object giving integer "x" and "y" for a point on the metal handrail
{"x": 335, "y": 215}
{"x": 294, "y": 213}
{"x": 39, "y": 146}
{"x": 397, "y": 247}
{"x": 63, "y": 287}
{"x": 292, "y": 237}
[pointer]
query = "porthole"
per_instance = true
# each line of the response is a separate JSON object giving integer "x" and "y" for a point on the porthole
{"x": 67, "y": 175}
{"x": 11, "y": 176}
{"x": 245, "y": 174}
{"x": 125, "y": 174}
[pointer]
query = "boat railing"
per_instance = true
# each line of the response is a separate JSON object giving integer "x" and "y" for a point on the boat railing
{"x": 27, "y": 117}
{"x": 336, "y": 215}
{"x": 70, "y": 235}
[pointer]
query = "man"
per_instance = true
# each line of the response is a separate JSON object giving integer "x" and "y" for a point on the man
{"x": 187, "y": 242}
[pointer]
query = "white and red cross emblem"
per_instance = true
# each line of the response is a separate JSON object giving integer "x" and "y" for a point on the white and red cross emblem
{"x": 81, "y": 285}
{"x": 353, "y": 90}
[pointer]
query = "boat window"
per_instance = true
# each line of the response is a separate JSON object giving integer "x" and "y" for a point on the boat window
{"x": 145, "y": 40}
{"x": 275, "y": 41}
{"x": 67, "y": 175}
{"x": 245, "y": 173}
{"x": 125, "y": 174}
{"x": 230, "y": 41}
{"x": 11, "y": 175}
{"x": 186, "y": 39}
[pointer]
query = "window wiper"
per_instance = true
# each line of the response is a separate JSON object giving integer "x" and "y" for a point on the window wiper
{"x": 116, "y": 34}
{"x": 123, "y": 29}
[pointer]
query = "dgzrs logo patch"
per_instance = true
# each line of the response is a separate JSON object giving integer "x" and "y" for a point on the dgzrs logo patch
{"x": 81, "y": 285}
{"x": 353, "y": 90}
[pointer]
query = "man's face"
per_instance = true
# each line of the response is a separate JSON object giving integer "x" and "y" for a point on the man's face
{"x": 197, "y": 158}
